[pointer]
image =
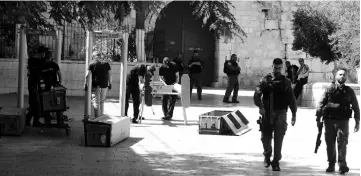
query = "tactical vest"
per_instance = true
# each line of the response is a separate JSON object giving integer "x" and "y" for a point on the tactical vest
{"x": 227, "y": 70}
{"x": 276, "y": 86}
{"x": 339, "y": 103}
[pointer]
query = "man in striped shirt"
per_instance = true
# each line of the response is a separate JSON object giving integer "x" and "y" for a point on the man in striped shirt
{"x": 302, "y": 74}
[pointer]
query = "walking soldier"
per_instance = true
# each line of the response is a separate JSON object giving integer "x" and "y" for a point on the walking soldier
{"x": 274, "y": 111}
{"x": 336, "y": 107}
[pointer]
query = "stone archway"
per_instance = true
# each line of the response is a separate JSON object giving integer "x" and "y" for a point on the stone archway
{"x": 178, "y": 30}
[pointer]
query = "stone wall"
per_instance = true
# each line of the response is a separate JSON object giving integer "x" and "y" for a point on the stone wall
{"x": 73, "y": 74}
{"x": 269, "y": 35}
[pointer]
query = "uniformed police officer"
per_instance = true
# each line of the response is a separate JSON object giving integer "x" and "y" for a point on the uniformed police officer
{"x": 195, "y": 66}
{"x": 232, "y": 69}
{"x": 336, "y": 107}
{"x": 274, "y": 114}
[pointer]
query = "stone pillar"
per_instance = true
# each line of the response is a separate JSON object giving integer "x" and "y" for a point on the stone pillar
{"x": 222, "y": 51}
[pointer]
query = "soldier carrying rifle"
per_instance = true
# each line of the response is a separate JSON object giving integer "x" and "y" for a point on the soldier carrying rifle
{"x": 336, "y": 107}
{"x": 274, "y": 111}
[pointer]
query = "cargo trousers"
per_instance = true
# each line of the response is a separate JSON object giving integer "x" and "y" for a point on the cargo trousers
{"x": 276, "y": 128}
{"x": 195, "y": 80}
{"x": 336, "y": 129}
{"x": 232, "y": 85}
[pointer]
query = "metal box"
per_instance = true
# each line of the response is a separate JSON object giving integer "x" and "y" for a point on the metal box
{"x": 213, "y": 123}
{"x": 106, "y": 130}
{"x": 54, "y": 100}
{"x": 12, "y": 120}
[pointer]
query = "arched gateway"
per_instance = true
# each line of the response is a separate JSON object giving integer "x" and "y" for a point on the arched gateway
{"x": 178, "y": 30}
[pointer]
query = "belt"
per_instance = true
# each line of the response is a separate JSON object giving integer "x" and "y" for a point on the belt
{"x": 336, "y": 118}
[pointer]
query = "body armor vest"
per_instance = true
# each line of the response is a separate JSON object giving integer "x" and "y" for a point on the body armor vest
{"x": 277, "y": 87}
{"x": 338, "y": 105}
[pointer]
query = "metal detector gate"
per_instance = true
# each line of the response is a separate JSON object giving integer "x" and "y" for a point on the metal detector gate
{"x": 123, "y": 67}
{"x": 22, "y": 53}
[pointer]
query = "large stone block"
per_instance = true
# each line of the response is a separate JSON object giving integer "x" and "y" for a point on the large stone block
{"x": 271, "y": 24}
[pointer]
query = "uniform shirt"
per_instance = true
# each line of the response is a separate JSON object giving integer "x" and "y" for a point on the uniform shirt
{"x": 168, "y": 73}
{"x": 350, "y": 93}
{"x": 195, "y": 68}
{"x": 49, "y": 72}
{"x": 303, "y": 71}
{"x": 133, "y": 76}
{"x": 289, "y": 96}
{"x": 232, "y": 68}
{"x": 100, "y": 77}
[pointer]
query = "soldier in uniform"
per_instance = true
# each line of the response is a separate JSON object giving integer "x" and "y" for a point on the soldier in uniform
{"x": 274, "y": 111}
{"x": 232, "y": 69}
{"x": 336, "y": 107}
{"x": 195, "y": 68}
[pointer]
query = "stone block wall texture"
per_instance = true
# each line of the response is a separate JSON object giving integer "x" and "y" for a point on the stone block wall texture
{"x": 268, "y": 36}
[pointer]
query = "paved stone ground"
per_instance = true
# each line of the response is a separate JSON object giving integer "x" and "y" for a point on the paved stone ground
{"x": 156, "y": 147}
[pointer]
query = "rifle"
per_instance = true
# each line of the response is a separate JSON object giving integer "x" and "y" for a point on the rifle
{"x": 270, "y": 102}
{"x": 318, "y": 140}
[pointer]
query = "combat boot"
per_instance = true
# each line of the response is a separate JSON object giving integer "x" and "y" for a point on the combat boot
{"x": 343, "y": 169}
{"x": 276, "y": 166}
{"x": 267, "y": 162}
{"x": 331, "y": 168}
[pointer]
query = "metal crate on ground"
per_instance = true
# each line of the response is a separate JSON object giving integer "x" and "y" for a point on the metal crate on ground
{"x": 223, "y": 122}
{"x": 213, "y": 123}
{"x": 106, "y": 130}
{"x": 54, "y": 100}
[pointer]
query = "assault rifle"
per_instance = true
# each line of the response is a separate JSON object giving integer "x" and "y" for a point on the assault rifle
{"x": 318, "y": 140}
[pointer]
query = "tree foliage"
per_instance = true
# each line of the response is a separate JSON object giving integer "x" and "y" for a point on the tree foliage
{"x": 311, "y": 31}
{"x": 341, "y": 21}
{"x": 218, "y": 17}
{"x": 24, "y": 12}
{"x": 88, "y": 13}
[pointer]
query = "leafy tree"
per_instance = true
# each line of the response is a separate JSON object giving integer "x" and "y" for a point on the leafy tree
{"x": 88, "y": 13}
{"x": 311, "y": 31}
{"x": 24, "y": 12}
{"x": 340, "y": 20}
{"x": 217, "y": 16}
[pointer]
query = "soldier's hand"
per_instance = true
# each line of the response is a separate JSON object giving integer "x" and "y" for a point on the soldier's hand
{"x": 110, "y": 86}
{"x": 262, "y": 111}
{"x": 357, "y": 127}
{"x": 85, "y": 87}
{"x": 293, "y": 121}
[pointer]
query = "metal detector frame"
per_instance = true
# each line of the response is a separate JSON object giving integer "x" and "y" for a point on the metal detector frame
{"x": 123, "y": 67}
{"x": 22, "y": 50}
